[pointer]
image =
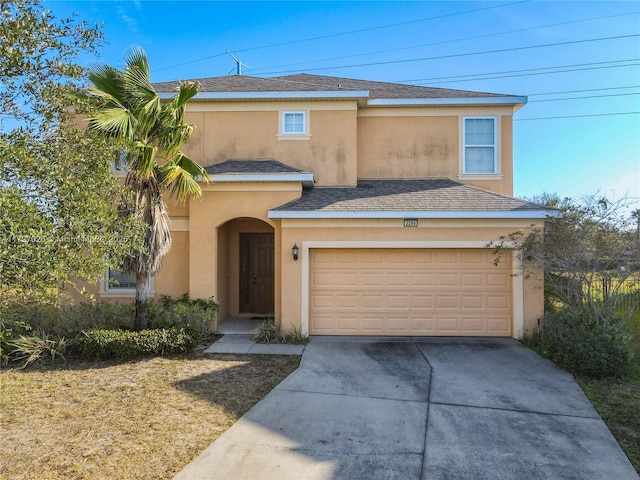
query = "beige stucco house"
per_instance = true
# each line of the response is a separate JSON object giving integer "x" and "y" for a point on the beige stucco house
{"x": 352, "y": 207}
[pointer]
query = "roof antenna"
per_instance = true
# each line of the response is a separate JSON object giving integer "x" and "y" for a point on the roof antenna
{"x": 239, "y": 64}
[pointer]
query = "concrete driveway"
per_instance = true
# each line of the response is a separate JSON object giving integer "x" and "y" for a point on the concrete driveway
{"x": 418, "y": 408}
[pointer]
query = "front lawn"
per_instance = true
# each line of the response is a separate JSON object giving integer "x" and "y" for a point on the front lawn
{"x": 139, "y": 419}
{"x": 618, "y": 400}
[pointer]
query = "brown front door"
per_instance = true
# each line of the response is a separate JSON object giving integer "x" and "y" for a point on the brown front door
{"x": 256, "y": 273}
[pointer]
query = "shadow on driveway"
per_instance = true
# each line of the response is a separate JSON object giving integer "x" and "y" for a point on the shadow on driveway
{"x": 418, "y": 408}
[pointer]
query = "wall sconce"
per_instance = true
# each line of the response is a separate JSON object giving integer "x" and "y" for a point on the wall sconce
{"x": 295, "y": 250}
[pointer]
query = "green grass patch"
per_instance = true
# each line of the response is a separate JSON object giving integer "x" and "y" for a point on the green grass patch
{"x": 617, "y": 399}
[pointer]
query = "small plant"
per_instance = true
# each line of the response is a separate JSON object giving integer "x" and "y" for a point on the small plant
{"x": 40, "y": 346}
{"x": 269, "y": 332}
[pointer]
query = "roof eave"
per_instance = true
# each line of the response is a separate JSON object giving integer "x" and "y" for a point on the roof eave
{"x": 496, "y": 214}
{"x": 275, "y": 95}
{"x": 305, "y": 178}
{"x": 480, "y": 101}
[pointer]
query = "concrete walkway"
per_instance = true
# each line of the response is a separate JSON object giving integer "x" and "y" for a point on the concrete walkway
{"x": 238, "y": 338}
{"x": 418, "y": 408}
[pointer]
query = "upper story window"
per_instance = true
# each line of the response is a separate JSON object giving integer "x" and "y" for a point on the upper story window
{"x": 294, "y": 123}
{"x": 480, "y": 149}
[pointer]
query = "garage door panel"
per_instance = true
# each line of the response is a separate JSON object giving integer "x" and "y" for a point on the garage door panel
{"x": 446, "y": 280}
{"x": 497, "y": 280}
{"x": 408, "y": 292}
{"x": 472, "y": 302}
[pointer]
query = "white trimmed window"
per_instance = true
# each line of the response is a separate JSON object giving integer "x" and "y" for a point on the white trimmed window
{"x": 294, "y": 123}
{"x": 117, "y": 280}
{"x": 116, "y": 284}
{"x": 480, "y": 149}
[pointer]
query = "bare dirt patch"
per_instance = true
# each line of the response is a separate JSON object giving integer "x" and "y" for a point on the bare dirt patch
{"x": 137, "y": 420}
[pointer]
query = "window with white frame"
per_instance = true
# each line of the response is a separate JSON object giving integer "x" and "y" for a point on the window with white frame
{"x": 480, "y": 145}
{"x": 117, "y": 280}
{"x": 294, "y": 123}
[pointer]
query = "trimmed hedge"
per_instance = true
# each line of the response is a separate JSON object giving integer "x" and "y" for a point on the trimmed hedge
{"x": 124, "y": 344}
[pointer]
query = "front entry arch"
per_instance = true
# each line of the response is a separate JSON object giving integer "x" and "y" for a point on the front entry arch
{"x": 245, "y": 268}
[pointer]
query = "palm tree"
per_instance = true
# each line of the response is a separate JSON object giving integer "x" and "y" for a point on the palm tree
{"x": 152, "y": 132}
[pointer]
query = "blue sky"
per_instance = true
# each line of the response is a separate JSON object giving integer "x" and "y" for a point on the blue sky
{"x": 573, "y": 59}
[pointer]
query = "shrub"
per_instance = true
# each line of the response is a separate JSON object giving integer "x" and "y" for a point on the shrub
{"x": 74, "y": 319}
{"x": 196, "y": 313}
{"x": 577, "y": 342}
{"x": 123, "y": 344}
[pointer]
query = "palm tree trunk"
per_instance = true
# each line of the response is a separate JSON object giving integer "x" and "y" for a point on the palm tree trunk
{"x": 142, "y": 302}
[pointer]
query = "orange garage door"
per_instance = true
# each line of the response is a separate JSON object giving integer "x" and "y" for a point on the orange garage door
{"x": 457, "y": 292}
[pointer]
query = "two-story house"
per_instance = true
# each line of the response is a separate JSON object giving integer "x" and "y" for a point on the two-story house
{"x": 352, "y": 207}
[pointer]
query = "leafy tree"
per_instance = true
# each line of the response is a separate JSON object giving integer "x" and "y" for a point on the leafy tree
{"x": 151, "y": 132}
{"x": 588, "y": 253}
{"x": 58, "y": 219}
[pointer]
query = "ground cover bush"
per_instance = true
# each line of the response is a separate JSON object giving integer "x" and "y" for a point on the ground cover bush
{"x": 123, "y": 344}
{"x": 576, "y": 341}
{"x": 617, "y": 398}
{"x": 100, "y": 329}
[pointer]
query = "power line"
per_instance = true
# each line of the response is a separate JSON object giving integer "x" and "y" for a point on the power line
{"x": 576, "y": 116}
{"x": 447, "y": 41}
{"x": 579, "y": 98}
{"x": 476, "y": 75}
{"x": 535, "y": 73}
{"x": 580, "y": 91}
{"x": 333, "y": 35}
{"x": 457, "y": 55}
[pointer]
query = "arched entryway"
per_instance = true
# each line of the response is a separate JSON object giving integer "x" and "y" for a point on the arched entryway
{"x": 245, "y": 268}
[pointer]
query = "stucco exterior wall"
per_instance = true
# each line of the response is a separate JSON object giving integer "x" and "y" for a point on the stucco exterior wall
{"x": 213, "y": 245}
{"x": 427, "y": 143}
{"x": 252, "y": 130}
{"x": 173, "y": 278}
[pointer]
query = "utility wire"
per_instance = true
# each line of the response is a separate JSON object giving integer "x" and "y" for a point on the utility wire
{"x": 445, "y": 41}
{"x": 576, "y": 116}
{"x": 587, "y": 96}
{"x": 580, "y": 91}
{"x": 476, "y": 75}
{"x": 537, "y": 73}
{"x": 351, "y": 32}
{"x": 467, "y": 54}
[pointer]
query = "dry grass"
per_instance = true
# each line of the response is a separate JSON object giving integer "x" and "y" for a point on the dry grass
{"x": 137, "y": 420}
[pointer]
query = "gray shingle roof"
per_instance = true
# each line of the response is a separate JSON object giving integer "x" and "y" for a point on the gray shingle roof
{"x": 409, "y": 196}
{"x": 251, "y": 166}
{"x": 304, "y": 82}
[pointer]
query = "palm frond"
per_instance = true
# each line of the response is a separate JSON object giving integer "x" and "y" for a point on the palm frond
{"x": 174, "y": 137}
{"x": 107, "y": 83}
{"x": 144, "y": 163}
{"x": 113, "y": 122}
{"x": 192, "y": 167}
{"x": 136, "y": 57}
{"x": 180, "y": 183}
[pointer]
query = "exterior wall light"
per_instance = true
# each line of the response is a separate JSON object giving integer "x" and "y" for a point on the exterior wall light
{"x": 295, "y": 250}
